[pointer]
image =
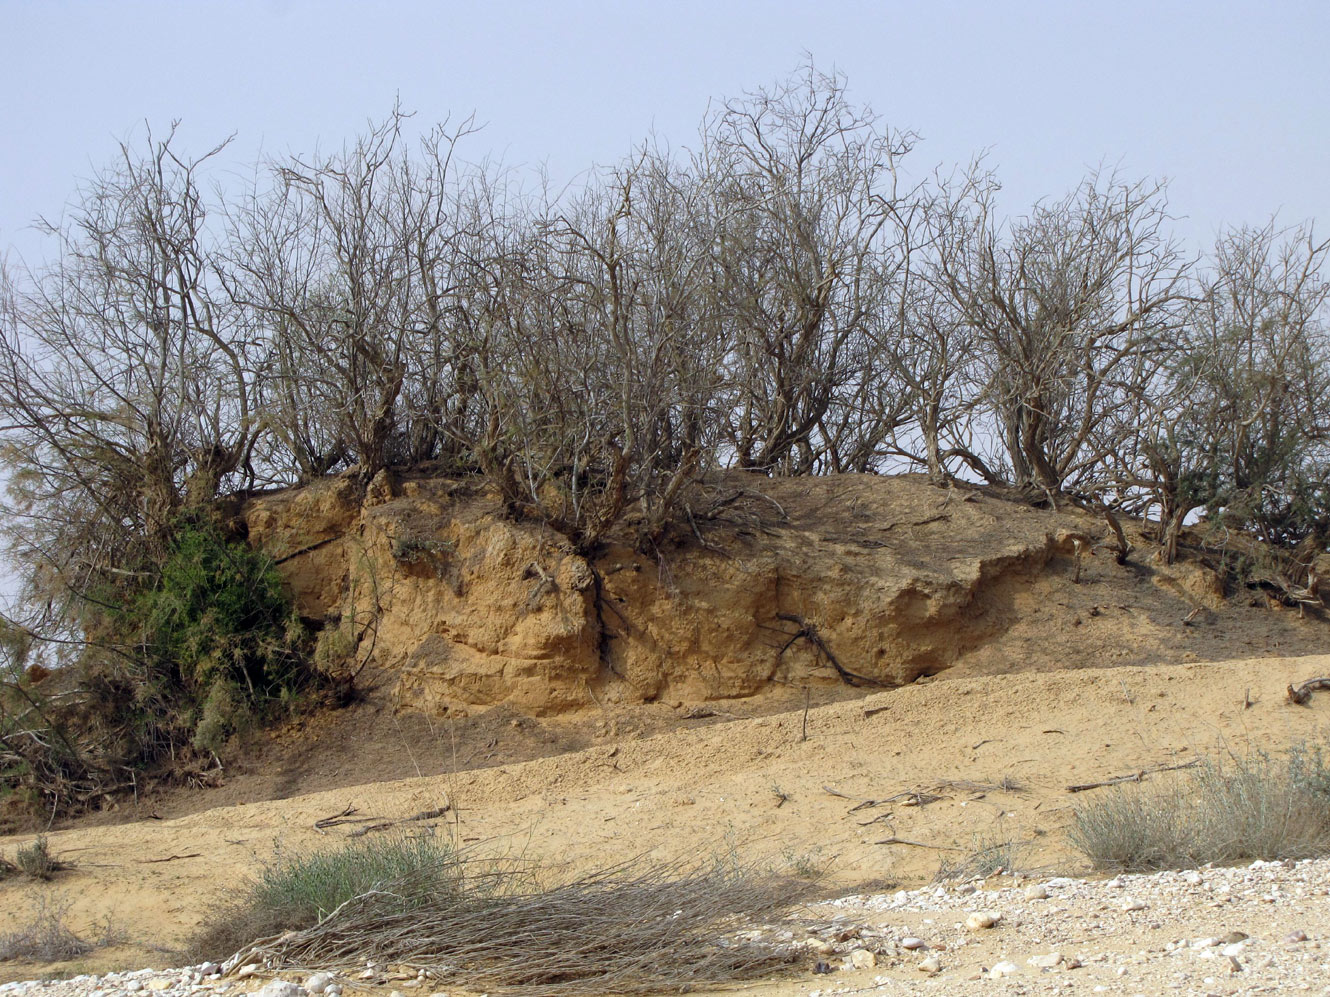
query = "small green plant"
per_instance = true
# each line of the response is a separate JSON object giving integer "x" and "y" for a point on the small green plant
{"x": 1228, "y": 811}
{"x": 334, "y": 647}
{"x": 46, "y": 937}
{"x": 36, "y": 860}
{"x": 810, "y": 865}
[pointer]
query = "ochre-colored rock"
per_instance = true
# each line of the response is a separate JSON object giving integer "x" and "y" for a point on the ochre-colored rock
{"x": 463, "y": 608}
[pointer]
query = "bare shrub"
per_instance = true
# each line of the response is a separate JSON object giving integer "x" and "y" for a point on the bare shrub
{"x": 46, "y": 937}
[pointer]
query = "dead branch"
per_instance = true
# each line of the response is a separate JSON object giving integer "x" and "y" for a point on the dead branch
{"x": 1123, "y": 548}
{"x": 916, "y": 844}
{"x": 1133, "y": 777}
{"x": 1301, "y": 694}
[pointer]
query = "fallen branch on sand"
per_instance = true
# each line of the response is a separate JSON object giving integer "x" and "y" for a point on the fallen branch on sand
{"x": 1132, "y": 777}
{"x": 1301, "y": 693}
{"x": 916, "y": 844}
{"x": 623, "y": 930}
{"x": 375, "y": 823}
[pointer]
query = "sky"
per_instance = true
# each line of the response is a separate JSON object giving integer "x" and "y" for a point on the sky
{"x": 1228, "y": 101}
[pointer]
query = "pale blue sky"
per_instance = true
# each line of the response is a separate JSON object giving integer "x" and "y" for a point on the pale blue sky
{"x": 1228, "y": 100}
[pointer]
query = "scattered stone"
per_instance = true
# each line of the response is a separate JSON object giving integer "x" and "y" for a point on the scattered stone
{"x": 282, "y": 988}
{"x": 1192, "y": 877}
{"x": 1134, "y": 905}
{"x": 821, "y": 947}
{"x": 1003, "y": 969}
{"x": 249, "y": 969}
{"x": 1037, "y": 892}
{"x": 319, "y": 982}
{"x": 912, "y": 943}
{"x": 1294, "y": 937}
{"x": 134, "y": 986}
{"x": 980, "y": 920}
{"x": 930, "y": 964}
{"x": 1047, "y": 961}
{"x": 862, "y": 959}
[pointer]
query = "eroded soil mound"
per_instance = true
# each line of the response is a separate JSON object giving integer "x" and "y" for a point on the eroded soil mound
{"x": 861, "y": 580}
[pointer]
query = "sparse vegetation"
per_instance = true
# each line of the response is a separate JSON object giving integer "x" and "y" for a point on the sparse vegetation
{"x": 990, "y": 854}
{"x": 36, "y": 860}
{"x": 297, "y": 891}
{"x": 1232, "y": 810}
{"x": 412, "y": 902}
{"x": 46, "y": 937}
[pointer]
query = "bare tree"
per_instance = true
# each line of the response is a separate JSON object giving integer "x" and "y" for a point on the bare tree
{"x": 1240, "y": 426}
{"x": 805, "y": 196}
{"x": 1073, "y": 307}
{"x": 348, "y": 260}
{"x": 126, "y": 376}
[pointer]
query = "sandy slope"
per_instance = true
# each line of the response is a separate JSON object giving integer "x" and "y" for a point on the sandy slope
{"x": 998, "y": 751}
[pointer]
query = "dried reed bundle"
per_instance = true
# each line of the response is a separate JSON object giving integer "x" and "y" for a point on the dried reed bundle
{"x": 621, "y": 930}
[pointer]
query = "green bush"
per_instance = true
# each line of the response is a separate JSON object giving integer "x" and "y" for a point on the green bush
{"x": 299, "y": 890}
{"x": 177, "y": 655}
{"x": 215, "y": 636}
{"x": 1242, "y": 809}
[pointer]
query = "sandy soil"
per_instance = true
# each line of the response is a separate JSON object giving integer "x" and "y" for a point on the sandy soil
{"x": 997, "y": 752}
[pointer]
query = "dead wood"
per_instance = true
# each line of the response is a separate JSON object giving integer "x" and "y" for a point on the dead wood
{"x": 916, "y": 844}
{"x": 369, "y": 824}
{"x": 1301, "y": 693}
{"x": 1132, "y": 777}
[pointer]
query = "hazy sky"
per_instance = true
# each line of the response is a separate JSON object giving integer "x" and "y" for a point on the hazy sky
{"x": 1227, "y": 100}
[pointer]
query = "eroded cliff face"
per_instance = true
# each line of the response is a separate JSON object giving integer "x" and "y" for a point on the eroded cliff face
{"x": 779, "y": 582}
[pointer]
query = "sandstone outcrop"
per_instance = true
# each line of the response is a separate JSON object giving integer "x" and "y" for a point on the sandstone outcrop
{"x": 774, "y": 581}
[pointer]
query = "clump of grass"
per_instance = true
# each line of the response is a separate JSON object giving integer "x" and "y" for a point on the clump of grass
{"x": 299, "y": 890}
{"x": 990, "y": 855}
{"x": 36, "y": 860}
{"x": 46, "y": 937}
{"x": 496, "y": 925}
{"x": 809, "y": 865}
{"x": 1226, "y": 812}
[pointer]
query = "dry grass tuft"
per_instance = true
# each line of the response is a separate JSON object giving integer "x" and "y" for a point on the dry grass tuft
{"x": 1235, "y": 811}
{"x": 36, "y": 860}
